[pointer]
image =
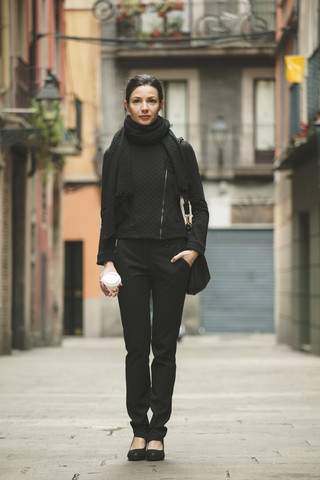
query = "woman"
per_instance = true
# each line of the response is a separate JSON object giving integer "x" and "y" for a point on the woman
{"x": 143, "y": 237}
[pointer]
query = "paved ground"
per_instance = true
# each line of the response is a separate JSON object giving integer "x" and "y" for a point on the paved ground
{"x": 244, "y": 409}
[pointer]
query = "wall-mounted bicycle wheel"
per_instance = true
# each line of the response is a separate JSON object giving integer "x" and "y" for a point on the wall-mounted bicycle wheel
{"x": 254, "y": 29}
{"x": 210, "y": 25}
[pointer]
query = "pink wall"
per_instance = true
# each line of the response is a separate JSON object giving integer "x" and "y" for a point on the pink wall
{"x": 44, "y": 230}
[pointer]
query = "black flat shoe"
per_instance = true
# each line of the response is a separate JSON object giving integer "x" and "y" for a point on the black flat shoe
{"x": 155, "y": 455}
{"x": 137, "y": 454}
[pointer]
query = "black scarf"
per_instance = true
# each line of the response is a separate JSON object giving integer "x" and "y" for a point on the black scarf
{"x": 117, "y": 176}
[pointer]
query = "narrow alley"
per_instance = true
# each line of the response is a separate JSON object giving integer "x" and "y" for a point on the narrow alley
{"x": 244, "y": 408}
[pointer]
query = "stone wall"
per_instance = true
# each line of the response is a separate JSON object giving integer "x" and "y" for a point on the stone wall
{"x": 283, "y": 257}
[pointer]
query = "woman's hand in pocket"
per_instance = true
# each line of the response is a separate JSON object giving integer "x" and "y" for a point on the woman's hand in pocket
{"x": 188, "y": 255}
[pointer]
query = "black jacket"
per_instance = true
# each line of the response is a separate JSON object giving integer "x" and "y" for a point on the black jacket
{"x": 157, "y": 214}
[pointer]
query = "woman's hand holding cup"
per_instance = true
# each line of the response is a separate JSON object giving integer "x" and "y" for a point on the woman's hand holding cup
{"x": 110, "y": 280}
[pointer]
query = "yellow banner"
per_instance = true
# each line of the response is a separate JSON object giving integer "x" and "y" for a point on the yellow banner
{"x": 294, "y": 68}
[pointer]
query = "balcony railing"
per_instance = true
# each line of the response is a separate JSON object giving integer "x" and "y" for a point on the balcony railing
{"x": 155, "y": 22}
{"x": 241, "y": 147}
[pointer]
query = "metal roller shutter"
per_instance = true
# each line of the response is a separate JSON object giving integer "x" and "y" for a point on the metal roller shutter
{"x": 239, "y": 297}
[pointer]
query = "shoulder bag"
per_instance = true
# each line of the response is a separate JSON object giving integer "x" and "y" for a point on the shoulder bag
{"x": 199, "y": 272}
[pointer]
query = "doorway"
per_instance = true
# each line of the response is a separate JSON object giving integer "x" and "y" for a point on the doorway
{"x": 304, "y": 280}
{"x": 20, "y": 338}
{"x": 73, "y": 295}
{"x": 240, "y": 297}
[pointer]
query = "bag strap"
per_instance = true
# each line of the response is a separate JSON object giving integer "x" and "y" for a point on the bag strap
{"x": 186, "y": 211}
{"x": 185, "y": 200}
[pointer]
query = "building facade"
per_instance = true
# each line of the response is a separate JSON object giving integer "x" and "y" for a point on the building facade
{"x": 81, "y": 181}
{"x": 31, "y": 254}
{"x": 297, "y": 218}
{"x": 216, "y": 61}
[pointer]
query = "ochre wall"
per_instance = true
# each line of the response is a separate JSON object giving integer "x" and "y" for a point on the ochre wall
{"x": 82, "y": 223}
{"x": 83, "y": 81}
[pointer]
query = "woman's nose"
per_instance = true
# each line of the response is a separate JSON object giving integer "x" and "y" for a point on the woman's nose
{"x": 144, "y": 106}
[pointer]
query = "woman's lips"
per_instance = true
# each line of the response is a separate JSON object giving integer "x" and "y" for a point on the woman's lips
{"x": 145, "y": 117}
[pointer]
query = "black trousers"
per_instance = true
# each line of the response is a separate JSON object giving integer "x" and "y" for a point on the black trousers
{"x": 145, "y": 269}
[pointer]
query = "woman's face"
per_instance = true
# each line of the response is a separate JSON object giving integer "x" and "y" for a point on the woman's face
{"x": 144, "y": 105}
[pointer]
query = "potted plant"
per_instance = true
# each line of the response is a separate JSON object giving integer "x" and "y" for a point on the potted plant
{"x": 130, "y": 8}
{"x": 174, "y": 27}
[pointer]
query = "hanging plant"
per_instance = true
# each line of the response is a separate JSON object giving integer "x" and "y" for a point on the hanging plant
{"x": 48, "y": 137}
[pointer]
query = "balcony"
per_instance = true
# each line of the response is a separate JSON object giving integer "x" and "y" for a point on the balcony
{"x": 192, "y": 24}
{"x": 17, "y": 125}
{"x": 243, "y": 151}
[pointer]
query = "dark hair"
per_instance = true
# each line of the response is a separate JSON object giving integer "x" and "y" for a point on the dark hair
{"x": 143, "y": 79}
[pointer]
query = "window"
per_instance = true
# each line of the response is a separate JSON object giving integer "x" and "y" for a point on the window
{"x": 257, "y": 88}
{"x": 4, "y": 47}
{"x": 57, "y": 41}
{"x": 294, "y": 117}
{"x": 264, "y": 121}
{"x": 1, "y": 44}
{"x": 21, "y": 30}
{"x": 175, "y": 108}
{"x": 44, "y": 41}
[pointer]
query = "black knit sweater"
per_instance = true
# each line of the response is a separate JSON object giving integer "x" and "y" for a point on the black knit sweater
{"x": 154, "y": 210}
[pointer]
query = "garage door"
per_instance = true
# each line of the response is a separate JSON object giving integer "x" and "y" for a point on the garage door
{"x": 239, "y": 297}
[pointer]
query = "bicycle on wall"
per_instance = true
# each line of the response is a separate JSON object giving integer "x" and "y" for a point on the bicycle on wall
{"x": 251, "y": 27}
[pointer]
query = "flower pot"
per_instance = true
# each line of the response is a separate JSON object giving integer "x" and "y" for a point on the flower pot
{"x": 178, "y": 6}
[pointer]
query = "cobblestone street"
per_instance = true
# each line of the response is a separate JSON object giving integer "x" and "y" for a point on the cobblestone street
{"x": 244, "y": 408}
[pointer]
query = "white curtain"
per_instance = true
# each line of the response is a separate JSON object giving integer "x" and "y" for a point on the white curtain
{"x": 264, "y": 115}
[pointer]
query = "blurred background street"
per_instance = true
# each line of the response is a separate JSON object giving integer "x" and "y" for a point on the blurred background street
{"x": 244, "y": 408}
{"x": 241, "y": 81}
{"x": 242, "y": 85}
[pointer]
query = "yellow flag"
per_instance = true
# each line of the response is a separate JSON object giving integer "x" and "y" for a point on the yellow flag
{"x": 294, "y": 68}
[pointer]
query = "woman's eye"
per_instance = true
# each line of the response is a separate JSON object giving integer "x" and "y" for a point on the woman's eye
{"x": 135, "y": 101}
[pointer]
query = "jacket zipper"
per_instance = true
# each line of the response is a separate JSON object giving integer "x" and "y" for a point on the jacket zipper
{"x": 162, "y": 208}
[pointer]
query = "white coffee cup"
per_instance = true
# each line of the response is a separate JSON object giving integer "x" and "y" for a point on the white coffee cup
{"x": 111, "y": 280}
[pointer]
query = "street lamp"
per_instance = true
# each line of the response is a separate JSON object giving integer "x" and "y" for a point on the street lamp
{"x": 98, "y": 161}
{"x": 219, "y": 130}
{"x": 48, "y": 99}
